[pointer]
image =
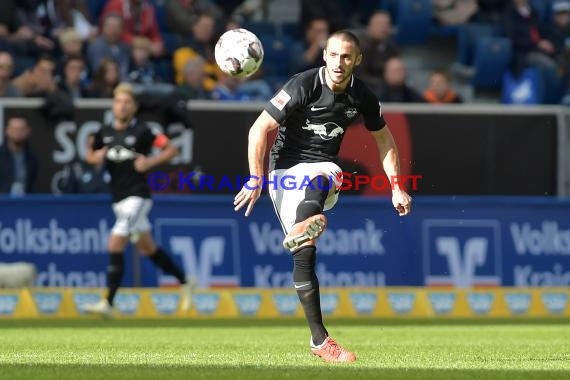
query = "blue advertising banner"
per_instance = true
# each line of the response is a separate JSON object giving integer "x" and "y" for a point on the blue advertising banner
{"x": 447, "y": 241}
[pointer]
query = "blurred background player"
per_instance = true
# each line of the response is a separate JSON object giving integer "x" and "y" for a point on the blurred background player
{"x": 124, "y": 147}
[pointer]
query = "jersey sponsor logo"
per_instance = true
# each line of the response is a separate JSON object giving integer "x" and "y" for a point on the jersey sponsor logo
{"x": 107, "y": 139}
{"x": 130, "y": 140}
{"x": 82, "y": 299}
{"x": 280, "y": 100}
{"x": 442, "y": 303}
{"x": 8, "y": 303}
{"x": 555, "y": 303}
{"x": 128, "y": 303}
{"x": 329, "y": 303}
{"x": 326, "y": 131}
{"x": 206, "y": 303}
{"x": 350, "y": 112}
{"x": 48, "y": 303}
{"x": 247, "y": 304}
{"x": 286, "y": 304}
{"x": 363, "y": 303}
{"x": 165, "y": 303}
{"x": 119, "y": 153}
{"x": 480, "y": 303}
{"x": 313, "y": 108}
{"x": 402, "y": 303}
{"x": 461, "y": 253}
{"x": 518, "y": 303}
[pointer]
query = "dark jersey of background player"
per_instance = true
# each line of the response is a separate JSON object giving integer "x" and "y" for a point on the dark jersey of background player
{"x": 122, "y": 147}
{"x": 313, "y": 119}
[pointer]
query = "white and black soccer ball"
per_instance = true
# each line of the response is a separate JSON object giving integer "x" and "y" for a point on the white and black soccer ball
{"x": 239, "y": 53}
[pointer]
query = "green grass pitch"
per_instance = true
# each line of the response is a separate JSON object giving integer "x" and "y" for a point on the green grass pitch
{"x": 253, "y": 349}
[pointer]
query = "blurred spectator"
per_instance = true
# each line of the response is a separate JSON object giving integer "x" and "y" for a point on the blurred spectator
{"x": 70, "y": 43}
{"x": 193, "y": 79}
{"x": 200, "y": 43}
{"x": 109, "y": 45}
{"x": 331, "y": 10}
{"x": 105, "y": 80}
{"x": 71, "y": 47}
{"x": 182, "y": 14}
{"x": 142, "y": 70}
{"x": 491, "y": 11}
{"x": 559, "y": 30}
{"x": 439, "y": 90}
{"x": 377, "y": 48}
{"x": 82, "y": 178}
{"x": 251, "y": 10}
{"x": 530, "y": 47}
{"x": 43, "y": 18}
{"x": 39, "y": 80}
{"x": 559, "y": 34}
{"x": 73, "y": 78}
{"x": 17, "y": 34}
{"x": 7, "y": 88}
{"x": 454, "y": 12}
{"x": 139, "y": 20}
{"x": 18, "y": 164}
{"x": 394, "y": 88}
{"x": 309, "y": 53}
{"x": 230, "y": 88}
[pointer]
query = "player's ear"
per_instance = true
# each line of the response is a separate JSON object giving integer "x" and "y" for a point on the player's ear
{"x": 358, "y": 59}
{"x": 325, "y": 55}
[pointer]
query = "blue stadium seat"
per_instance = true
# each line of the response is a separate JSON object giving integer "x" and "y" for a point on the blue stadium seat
{"x": 170, "y": 42}
{"x": 160, "y": 12}
{"x": 413, "y": 21}
{"x": 543, "y": 8}
{"x": 95, "y": 7}
{"x": 491, "y": 60}
{"x": 260, "y": 27}
{"x": 291, "y": 29}
{"x": 276, "y": 55}
{"x": 467, "y": 38}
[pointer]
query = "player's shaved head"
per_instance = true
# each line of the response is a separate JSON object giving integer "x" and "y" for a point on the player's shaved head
{"x": 346, "y": 35}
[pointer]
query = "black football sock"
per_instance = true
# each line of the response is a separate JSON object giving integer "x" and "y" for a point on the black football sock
{"x": 315, "y": 197}
{"x": 164, "y": 262}
{"x": 115, "y": 272}
{"x": 307, "y": 287}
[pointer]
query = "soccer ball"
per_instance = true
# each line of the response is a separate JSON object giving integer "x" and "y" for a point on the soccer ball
{"x": 239, "y": 53}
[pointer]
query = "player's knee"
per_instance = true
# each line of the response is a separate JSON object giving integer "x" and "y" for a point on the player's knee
{"x": 146, "y": 249}
{"x": 306, "y": 209}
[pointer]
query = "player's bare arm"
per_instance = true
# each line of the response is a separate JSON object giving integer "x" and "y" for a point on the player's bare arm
{"x": 391, "y": 164}
{"x": 144, "y": 163}
{"x": 95, "y": 157}
{"x": 249, "y": 194}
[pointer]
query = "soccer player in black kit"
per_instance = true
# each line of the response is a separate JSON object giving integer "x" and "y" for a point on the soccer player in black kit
{"x": 312, "y": 112}
{"x": 124, "y": 146}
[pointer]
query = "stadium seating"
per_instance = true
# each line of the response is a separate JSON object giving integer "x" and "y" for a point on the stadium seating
{"x": 543, "y": 8}
{"x": 467, "y": 38}
{"x": 413, "y": 21}
{"x": 95, "y": 8}
{"x": 276, "y": 59}
{"x": 491, "y": 60}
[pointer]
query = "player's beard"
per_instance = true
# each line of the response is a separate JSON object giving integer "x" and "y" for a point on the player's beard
{"x": 343, "y": 78}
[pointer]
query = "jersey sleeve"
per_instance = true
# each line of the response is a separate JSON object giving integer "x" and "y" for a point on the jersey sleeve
{"x": 290, "y": 97}
{"x": 154, "y": 139}
{"x": 372, "y": 112}
{"x": 97, "y": 142}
